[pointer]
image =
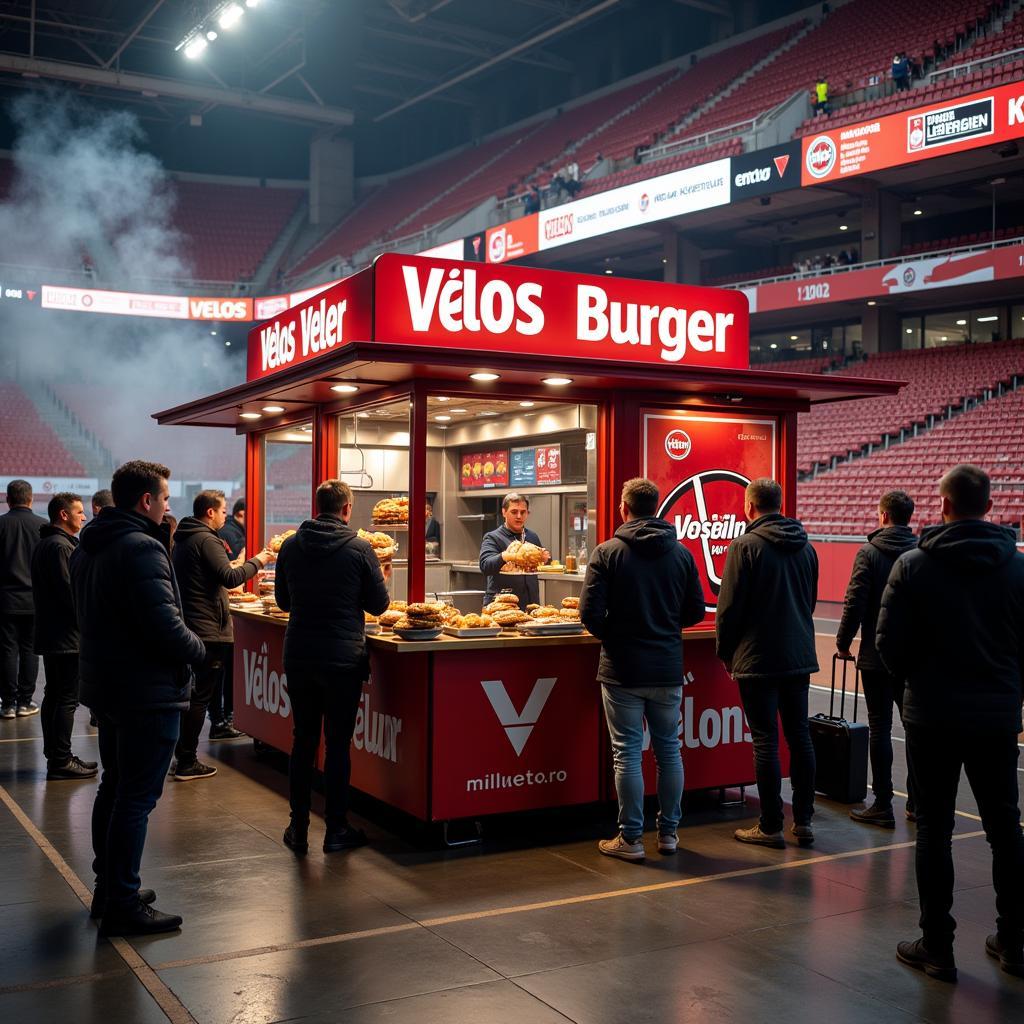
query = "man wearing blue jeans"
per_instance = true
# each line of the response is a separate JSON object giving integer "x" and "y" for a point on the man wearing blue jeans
{"x": 640, "y": 592}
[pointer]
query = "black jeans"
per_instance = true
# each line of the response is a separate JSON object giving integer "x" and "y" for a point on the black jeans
{"x": 19, "y": 665}
{"x": 222, "y": 703}
{"x": 208, "y": 678}
{"x": 135, "y": 752}
{"x": 990, "y": 760}
{"x": 764, "y": 702}
{"x": 329, "y": 698}
{"x": 881, "y": 693}
{"x": 60, "y": 701}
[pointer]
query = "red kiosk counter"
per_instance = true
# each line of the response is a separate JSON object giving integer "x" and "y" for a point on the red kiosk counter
{"x": 434, "y": 387}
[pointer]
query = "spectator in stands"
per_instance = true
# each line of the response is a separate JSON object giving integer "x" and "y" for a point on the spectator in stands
{"x": 571, "y": 177}
{"x": 233, "y": 531}
{"x": 19, "y": 665}
{"x": 952, "y": 624}
{"x": 821, "y": 104}
{"x": 640, "y": 592}
{"x": 56, "y": 635}
{"x": 765, "y": 635}
{"x": 532, "y": 204}
{"x": 901, "y": 72}
{"x": 860, "y": 612}
{"x": 101, "y": 499}
{"x": 205, "y": 575}
{"x": 134, "y": 656}
{"x": 327, "y": 577}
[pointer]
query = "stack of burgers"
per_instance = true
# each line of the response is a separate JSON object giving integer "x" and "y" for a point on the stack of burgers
{"x": 395, "y": 613}
{"x": 422, "y": 615}
{"x": 389, "y": 511}
{"x": 526, "y": 557}
{"x": 472, "y": 621}
{"x": 384, "y": 547}
{"x": 505, "y": 612}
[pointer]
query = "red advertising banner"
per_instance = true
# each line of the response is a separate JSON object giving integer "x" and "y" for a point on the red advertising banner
{"x": 966, "y": 122}
{"x": 514, "y": 240}
{"x": 263, "y": 705}
{"x": 484, "y": 469}
{"x": 522, "y": 311}
{"x": 549, "y": 464}
{"x": 515, "y": 733}
{"x": 702, "y": 465}
{"x": 910, "y": 275}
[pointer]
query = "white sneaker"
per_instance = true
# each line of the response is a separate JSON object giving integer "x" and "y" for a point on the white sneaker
{"x": 618, "y": 847}
{"x": 668, "y": 842}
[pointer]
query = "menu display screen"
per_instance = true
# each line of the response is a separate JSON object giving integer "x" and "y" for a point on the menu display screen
{"x": 537, "y": 466}
{"x": 484, "y": 469}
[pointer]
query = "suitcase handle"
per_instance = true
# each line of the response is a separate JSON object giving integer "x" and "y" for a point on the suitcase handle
{"x": 842, "y": 697}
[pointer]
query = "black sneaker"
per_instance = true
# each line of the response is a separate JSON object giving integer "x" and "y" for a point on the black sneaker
{"x": 915, "y": 954}
{"x": 346, "y": 838}
{"x": 1009, "y": 955}
{"x": 99, "y": 901}
{"x": 84, "y": 764}
{"x": 67, "y": 772}
{"x": 911, "y": 814}
{"x": 877, "y": 814}
{"x": 224, "y": 731}
{"x": 195, "y": 770}
{"x": 8, "y": 711}
{"x": 803, "y": 834}
{"x": 297, "y": 839}
{"x": 25, "y": 710}
{"x": 139, "y": 919}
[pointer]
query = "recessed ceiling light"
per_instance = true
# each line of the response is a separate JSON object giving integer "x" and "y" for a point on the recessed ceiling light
{"x": 910, "y": 330}
{"x": 663, "y": 260}
{"x": 363, "y": 415}
{"x": 944, "y": 338}
{"x": 345, "y": 389}
{"x": 844, "y": 227}
{"x": 488, "y": 412}
{"x": 273, "y": 408}
{"x": 608, "y": 270}
{"x": 793, "y": 337}
{"x": 484, "y": 375}
{"x": 987, "y": 319}
{"x": 773, "y": 345}
{"x": 530, "y": 405}
{"x": 557, "y": 382}
{"x": 227, "y": 344}
{"x": 871, "y": 302}
{"x": 442, "y": 418}
{"x": 460, "y": 410}
{"x": 963, "y": 323}
{"x": 917, "y": 213}
{"x": 442, "y": 398}
{"x": 250, "y": 415}
{"x": 214, "y": 333}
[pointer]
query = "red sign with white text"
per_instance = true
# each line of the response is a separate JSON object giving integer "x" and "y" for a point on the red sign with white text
{"x": 514, "y": 240}
{"x": 484, "y": 469}
{"x": 964, "y": 122}
{"x": 524, "y": 311}
{"x": 702, "y": 465}
{"x": 549, "y": 464}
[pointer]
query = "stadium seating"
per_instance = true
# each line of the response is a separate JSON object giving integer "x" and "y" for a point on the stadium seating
{"x": 28, "y": 446}
{"x": 992, "y": 44}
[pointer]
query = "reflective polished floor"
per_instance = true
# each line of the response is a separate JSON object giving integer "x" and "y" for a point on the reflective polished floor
{"x": 533, "y": 926}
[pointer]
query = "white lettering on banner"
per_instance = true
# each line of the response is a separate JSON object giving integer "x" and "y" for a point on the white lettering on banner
{"x": 497, "y": 780}
{"x": 265, "y": 690}
{"x": 726, "y": 528}
{"x": 754, "y": 177}
{"x": 376, "y": 732}
{"x": 323, "y": 326}
{"x": 518, "y": 724}
{"x": 633, "y": 323}
{"x": 277, "y": 345}
{"x": 1015, "y": 110}
{"x": 460, "y": 307}
{"x": 715, "y": 727}
{"x": 218, "y": 309}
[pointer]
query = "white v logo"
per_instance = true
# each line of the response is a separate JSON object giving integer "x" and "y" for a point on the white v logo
{"x": 518, "y": 725}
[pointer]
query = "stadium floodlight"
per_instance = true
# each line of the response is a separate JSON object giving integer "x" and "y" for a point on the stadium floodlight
{"x": 195, "y": 46}
{"x": 211, "y": 34}
{"x": 228, "y": 18}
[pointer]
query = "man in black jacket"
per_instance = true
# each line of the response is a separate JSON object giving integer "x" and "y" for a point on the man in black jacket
{"x": 641, "y": 590}
{"x": 56, "y": 635}
{"x": 515, "y": 510}
{"x": 204, "y": 575}
{"x": 19, "y": 665}
{"x": 327, "y": 577}
{"x": 134, "y": 656}
{"x": 860, "y": 611}
{"x": 233, "y": 530}
{"x": 952, "y": 624}
{"x": 765, "y": 632}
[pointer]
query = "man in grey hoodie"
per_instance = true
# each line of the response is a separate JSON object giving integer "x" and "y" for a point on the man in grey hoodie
{"x": 765, "y": 630}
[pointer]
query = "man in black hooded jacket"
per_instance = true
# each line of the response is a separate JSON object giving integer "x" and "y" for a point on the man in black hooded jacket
{"x": 327, "y": 577}
{"x": 765, "y": 630}
{"x": 952, "y": 625}
{"x": 134, "y": 656}
{"x": 641, "y": 590}
{"x": 871, "y": 570}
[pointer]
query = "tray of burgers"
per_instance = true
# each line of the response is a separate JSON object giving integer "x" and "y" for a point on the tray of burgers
{"x": 548, "y": 620}
{"x": 423, "y": 620}
{"x": 384, "y": 546}
{"x": 270, "y": 608}
{"x": 526, "y": 559}
{"x": 468, "y": 626}
{"x": 391, "y": 512}
{"x": 504, "y": 611}
{"x": 243, "y": 599}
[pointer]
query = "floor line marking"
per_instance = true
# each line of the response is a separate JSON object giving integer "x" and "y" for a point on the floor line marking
{"x": 479, "y": 915}
{"x": 961, "y": 814}
{"x": 172, "y": 1007}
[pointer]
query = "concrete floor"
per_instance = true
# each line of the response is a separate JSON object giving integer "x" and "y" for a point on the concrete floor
{"x": 534, "y": 926}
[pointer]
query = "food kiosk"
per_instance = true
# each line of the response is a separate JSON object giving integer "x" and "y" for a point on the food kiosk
{"x": 423, "y": 380}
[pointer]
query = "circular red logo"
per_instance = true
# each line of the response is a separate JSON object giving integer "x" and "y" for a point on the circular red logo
{"x": 677, "y": 445}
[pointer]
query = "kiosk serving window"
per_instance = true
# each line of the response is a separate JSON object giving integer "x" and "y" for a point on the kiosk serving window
{"x": 288, "y": 478}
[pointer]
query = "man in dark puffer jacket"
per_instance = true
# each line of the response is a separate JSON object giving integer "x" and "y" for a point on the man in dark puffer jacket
{"x": 766, "y": 641}
{"x": 952, "y": 625}
{"x": 327, "y": 577}
{"x": 134, "y": 657}
{"x": 871, "y": 570}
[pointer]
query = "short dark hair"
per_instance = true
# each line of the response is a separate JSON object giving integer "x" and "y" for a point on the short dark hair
{"x": 332, "y": 496}
{"x": 19, "y": 492}
{"x": 239, "y": 506}
{"x": 103, "y": 499}
{"x": 134, "y": 479}
{"x": 511, "y": 498}
{"x": 61, "y": 503}
{"x": 640, "y": 496}
{"x": 968, "y": 489}
{"x": 206, "y": 500}
{"x": 899, "y": 505}
{"x": 765, "y": 494}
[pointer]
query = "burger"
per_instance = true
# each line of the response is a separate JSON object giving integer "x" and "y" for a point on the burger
{"x": 278, "y": 539}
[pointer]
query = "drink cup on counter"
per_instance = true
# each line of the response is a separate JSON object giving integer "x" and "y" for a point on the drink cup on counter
{"x": 570, "y": 563}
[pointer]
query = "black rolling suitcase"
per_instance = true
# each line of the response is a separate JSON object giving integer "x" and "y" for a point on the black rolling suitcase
{"x": 841, "y": 747}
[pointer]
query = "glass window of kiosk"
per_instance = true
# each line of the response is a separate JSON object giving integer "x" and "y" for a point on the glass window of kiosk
{"x": 288, "y": 478}
{"x": 373, "y": 459}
